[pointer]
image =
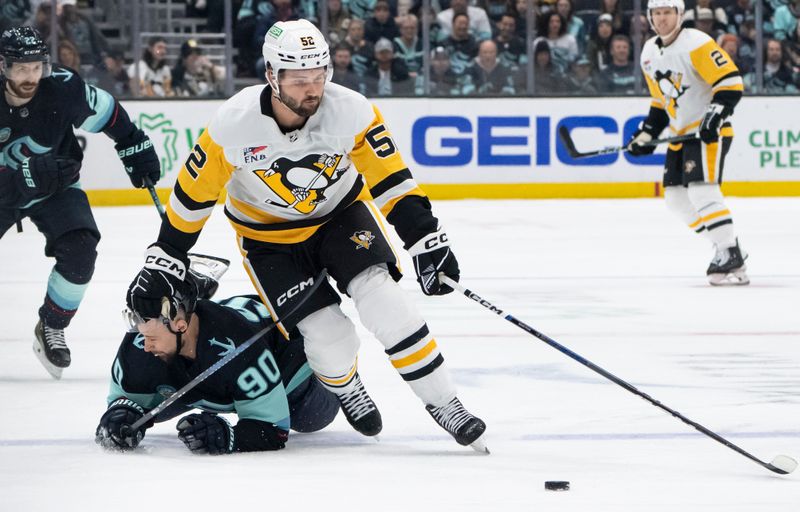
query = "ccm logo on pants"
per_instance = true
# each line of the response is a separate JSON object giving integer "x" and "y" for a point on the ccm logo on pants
{"x": 294, "y": 290}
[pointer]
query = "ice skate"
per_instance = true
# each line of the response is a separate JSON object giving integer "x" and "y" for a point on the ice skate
{"x": 360, "y": 411}
{"x": 464, "y": 427}
{"x": 728, "y": 268}
{"x": 51, "y": 349}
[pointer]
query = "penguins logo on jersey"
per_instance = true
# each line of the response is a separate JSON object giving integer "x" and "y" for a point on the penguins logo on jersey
{"x": 671, "y": 89}
{"x": 301, "y": 184}
{"x": 363, "y": 239}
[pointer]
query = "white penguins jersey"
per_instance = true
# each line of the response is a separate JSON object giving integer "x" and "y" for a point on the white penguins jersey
{"x": 281, "y": 187}
{"x": 684, "y": 76}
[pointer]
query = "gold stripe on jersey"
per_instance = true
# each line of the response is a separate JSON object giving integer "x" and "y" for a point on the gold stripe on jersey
{"x": 257, "y": 285}
{"x": 711, "y": 62}
{"x": 711, "y": 154}
{"x": 201, "y": 180}
{"x": 658, "y": 98}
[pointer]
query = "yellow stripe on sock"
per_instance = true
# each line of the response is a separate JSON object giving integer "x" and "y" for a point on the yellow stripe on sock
{"x": 417, "y": 356}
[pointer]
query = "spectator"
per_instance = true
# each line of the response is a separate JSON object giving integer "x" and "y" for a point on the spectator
{"x": 110, "y": 75}
{"x": 618, "y": 77}
{"x": 409, "y": 45}
{"x": 343, "y": 73}
{"x": 443, "y": 81}
{"x": 597, "y": 47}
{"x": 792, "y": 47}
{"x": 381, "y": 24}
{"x": 747, "y": 43}
{"x": 784, "y": 21}
{"x": 479, "y": 26}
{"x": 152, "y": 71}
{"x": 705, "y": 22}
{"x": 361, "y": 9}
{"x": 719, "y": 19}
{"x": 574, "y": 24}
{"x": 82, "y": 31}
{"x": 547, "y": 78}
{"x": 361, "y": 50}
{"x": 277, "y": 10}
{"x": 388, "y": 76}
{"x": 563, "y": 47}
{"x": 520, "y": 13}
{"x": 486, "y": 75}
{"x": 730, "y": 43}
{"x": 338, "y": 21}
{"x": 68, "y": 55}
{"x": 495, "y": 9}
{"x": 437, "y": 34}
{"x": 243, "y": 35}
{"x": 511, "y": 48}
{"x": 736, "y": 13}
{"x": 461, "y": 45}
{"x": 778, "y": 77}
{"x": 645, "y": 29}
{"x": 195, "y": 76}
{"x": 618, "y": 21}
{"x": 580, "y": 81}
{"x": 14, "y": 13}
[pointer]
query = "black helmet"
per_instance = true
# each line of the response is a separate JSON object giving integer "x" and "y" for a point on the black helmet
{"x": 23, "y": 44}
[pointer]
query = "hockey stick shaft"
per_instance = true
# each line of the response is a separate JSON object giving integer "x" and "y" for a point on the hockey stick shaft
{"x": 569, "y": 144}
{"x": 225, "y": 360}
{"x": 781, "y": 464}
{"x": 156, "y": 201}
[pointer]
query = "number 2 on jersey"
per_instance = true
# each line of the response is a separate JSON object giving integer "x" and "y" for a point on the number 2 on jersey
{"x": 719, "y": 59}
{"x": 197, "y": 159}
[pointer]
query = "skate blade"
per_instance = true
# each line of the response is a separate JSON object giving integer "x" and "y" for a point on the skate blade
{"x": 479, "y": 445}
{"x": 52, "y": 369}
{"x": 738, "y": 278}
{"x": 209, "y": 266}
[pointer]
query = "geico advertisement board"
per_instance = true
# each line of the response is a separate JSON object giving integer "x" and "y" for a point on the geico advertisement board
{"x": 502, "y": 141}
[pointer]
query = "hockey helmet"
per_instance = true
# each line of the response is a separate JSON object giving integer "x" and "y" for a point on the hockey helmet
{"x": 295, "y": 45}
{"x": 24, "y": 44}
{"x": 678, "y": 5}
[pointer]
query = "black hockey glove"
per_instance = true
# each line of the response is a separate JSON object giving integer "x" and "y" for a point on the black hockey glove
{"x": 42, "y": 175}
{"x": 163, "y": 277}
{"x": 432, "y": 255}
{"x": 635, "y": 146}
{"x": 114, "y": 431}
{"x": 206, "y": 433}
{"x": 139, "y": 158}
{"x": 712, "y": 120}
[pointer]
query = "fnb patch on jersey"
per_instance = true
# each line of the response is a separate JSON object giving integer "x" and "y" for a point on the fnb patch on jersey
{"x": 254, "y": 154}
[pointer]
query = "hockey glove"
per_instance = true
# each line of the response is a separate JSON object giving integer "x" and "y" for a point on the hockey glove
{"x": 139, "y": 158}
{"x": 432, "y": 255}
{"x": 206, "y": 433}
{"x": 163, "y": 277}
{"x": 636, "y": 148}
{"x": 114, "y": 431}
{"x": 712, "y": 120}
{"x": 42, "y": 175}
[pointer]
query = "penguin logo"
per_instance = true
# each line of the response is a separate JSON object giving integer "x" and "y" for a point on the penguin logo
{"x": 689, "y": 166}
{"x": 363, "y": 239}
{"x": 671, "y": 89}
{"x": 301, "y": 184}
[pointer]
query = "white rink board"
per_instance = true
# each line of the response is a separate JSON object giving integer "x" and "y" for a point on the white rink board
{"x": 500, "y": 140}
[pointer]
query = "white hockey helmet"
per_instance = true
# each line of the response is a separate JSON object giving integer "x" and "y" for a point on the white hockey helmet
{"x": 295, "y": 45}
{"x": 678, "y": 5}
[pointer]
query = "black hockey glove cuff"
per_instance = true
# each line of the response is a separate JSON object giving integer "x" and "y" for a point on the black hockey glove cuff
{"x": 139, "y": 158}
{"x": 206, "y": 433}
{"x": 655, "y": 122}
{"x": 258, "y": 436}
{"x": 711, "y": 123}
{"x": 432, "y": 255}
{"x": 114, "y": 431}
{"x": 161, "y": 282}
{"x": 42, "y": 175}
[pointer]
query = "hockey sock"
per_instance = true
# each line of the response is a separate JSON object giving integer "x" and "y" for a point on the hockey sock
{"x": 331, "y": 346}
{"x": 715, "y": 216}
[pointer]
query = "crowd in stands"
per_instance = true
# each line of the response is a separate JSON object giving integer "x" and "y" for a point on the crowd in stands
{"x": 478, "y": 47}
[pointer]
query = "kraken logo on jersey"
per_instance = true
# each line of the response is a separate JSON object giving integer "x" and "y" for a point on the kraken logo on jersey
{"x": 20, "y": 150}
{"x": 363, "y": 239}
{"x": 671, "y": 89}
{"x": 301, "y": 184}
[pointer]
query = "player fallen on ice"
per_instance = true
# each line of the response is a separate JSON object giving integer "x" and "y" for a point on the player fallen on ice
{"x": 40, "y": 161}
{"x": 694, "y": 86}
{"x": 311, "y": 170}
{"x": 269, "y": 385}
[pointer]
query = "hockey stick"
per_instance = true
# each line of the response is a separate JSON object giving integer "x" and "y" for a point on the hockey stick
{"x": 569, "y": 144}
{"x": 225, "y": 360}
{"x": 781, "y": 464}
{"x": 156, "y": 201}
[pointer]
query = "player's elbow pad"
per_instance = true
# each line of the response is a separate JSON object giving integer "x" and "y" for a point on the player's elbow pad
{"x": 728, "y": 99}
{"x": 258, "y": 436}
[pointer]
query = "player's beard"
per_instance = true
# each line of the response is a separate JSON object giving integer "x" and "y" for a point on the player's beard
{"x": 23, "y": 91}
{"x": 307, "y": 107}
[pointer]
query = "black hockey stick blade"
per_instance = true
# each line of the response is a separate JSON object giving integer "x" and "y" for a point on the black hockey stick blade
{"x": 225, "y": 360}
{"x": 569, "y": 144}
{"x": 566, "y": 140}
{"x": 781, "y": 464}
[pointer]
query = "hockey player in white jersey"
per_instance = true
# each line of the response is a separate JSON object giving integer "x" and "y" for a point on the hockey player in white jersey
{"x": 309, "y": 167}
{"x": 694, "y": 86}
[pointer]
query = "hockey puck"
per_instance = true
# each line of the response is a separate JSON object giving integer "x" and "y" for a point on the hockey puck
{"x": 556, "y": 485}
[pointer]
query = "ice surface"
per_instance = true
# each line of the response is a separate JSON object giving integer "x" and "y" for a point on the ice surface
{"x": 620, "y": 282}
